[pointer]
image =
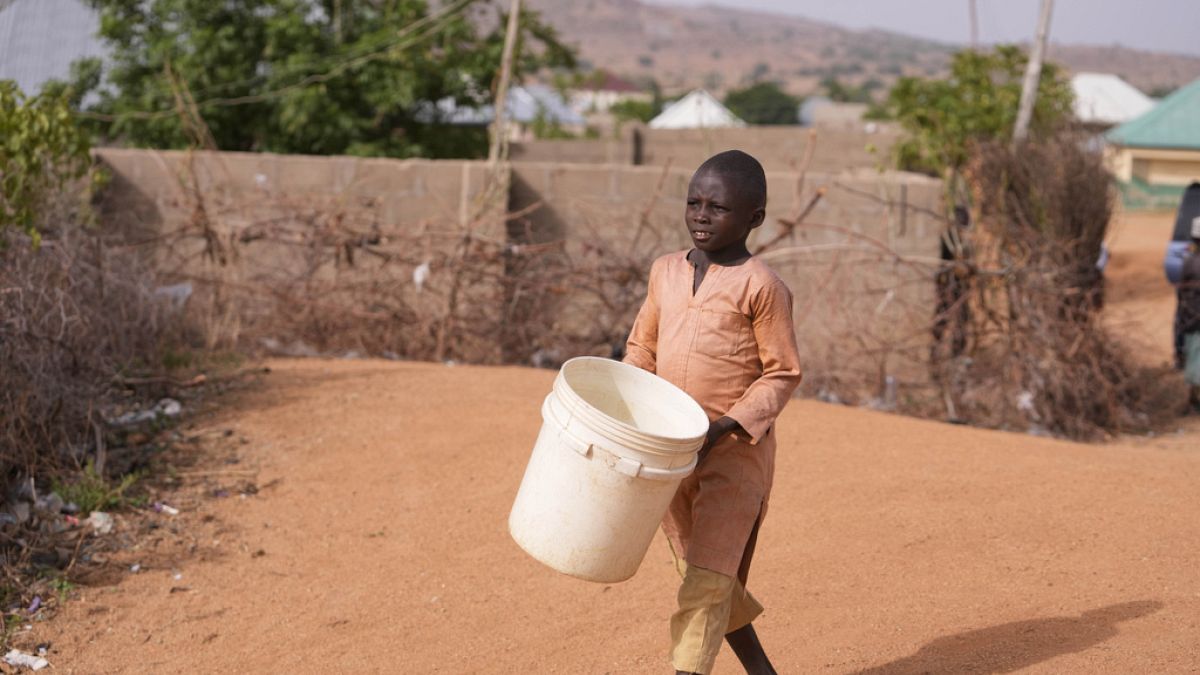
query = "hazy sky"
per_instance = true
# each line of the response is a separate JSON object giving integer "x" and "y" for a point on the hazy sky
{"x": 1159, "y": 25}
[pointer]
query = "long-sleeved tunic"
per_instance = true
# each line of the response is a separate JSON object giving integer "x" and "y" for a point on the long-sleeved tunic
{"x": 731, "y": 345}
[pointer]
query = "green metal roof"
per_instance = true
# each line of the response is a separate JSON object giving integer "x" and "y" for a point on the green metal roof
{"x": 1173, "y": 123}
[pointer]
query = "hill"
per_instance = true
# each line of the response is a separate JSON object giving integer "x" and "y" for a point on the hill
{"x": 722, "y": 48}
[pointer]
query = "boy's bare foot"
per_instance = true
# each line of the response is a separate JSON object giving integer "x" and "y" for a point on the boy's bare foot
{"x": 749, "y": 651}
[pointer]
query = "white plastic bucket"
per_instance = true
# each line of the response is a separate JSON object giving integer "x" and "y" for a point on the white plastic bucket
{"x": 614, "y": 445}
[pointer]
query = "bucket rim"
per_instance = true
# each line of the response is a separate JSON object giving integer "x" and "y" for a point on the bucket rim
{"x": 685, "y": 443}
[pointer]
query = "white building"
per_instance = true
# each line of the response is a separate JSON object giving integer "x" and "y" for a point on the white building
{"x": 696, "y": 110}
{"x": 601, "y": 91}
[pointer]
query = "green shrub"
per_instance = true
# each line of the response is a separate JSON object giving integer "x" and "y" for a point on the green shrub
{"x": 41, "y": 150}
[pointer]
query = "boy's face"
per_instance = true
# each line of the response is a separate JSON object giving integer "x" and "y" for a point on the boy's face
{"x": 719, "y": 214}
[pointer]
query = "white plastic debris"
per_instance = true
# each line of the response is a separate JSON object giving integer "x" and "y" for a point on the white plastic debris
{"x": 100, "y": 521}
{"x": 167, "y": 407}
{"x": 1025, "y": 402}
{"x": 176, "y": 295}
{"x": 260, "y": 179}
{"x": 16, "y": 657}
{"x": 169, "y": 510}
{"x": 135, "y": 568}
{"x": 421, "y": 275}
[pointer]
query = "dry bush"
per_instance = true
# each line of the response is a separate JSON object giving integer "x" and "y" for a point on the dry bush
{"x": 74, "y": 312}
{"x": 328, "y": 273}
{"x": 1039, "y": 357}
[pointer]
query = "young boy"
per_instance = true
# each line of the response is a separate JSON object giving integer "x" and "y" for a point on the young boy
{"x": 1187, "y": 320}
{"x": 717, "y": 323}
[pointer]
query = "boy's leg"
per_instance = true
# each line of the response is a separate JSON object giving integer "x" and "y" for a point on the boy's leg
{"x": 705, "y": 601}
{"x": 741, "y": 635}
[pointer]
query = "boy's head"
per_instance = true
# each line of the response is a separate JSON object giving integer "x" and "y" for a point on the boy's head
{"x": 727, "y": 198}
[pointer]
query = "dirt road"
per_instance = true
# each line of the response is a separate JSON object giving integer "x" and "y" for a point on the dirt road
{"x": 893, "y": 546}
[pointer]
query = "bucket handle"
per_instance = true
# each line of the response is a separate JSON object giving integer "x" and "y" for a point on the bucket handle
{"x": 636, "y": 469}
{"x": 624, "y": 465}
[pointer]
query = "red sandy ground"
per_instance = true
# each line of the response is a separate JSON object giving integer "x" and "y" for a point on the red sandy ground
{"x": 893, "y": 545}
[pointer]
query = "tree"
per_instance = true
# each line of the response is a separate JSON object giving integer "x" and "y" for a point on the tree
{"x": 1161, "y": 91}
{"x": 308, "y": 76}
{"x": 843, "y": 93}
{"x": 42, "y": 149}
{"x": 633, "y": 109}
{"x": 977, "y": 102}
{"x": 763, "y": 103}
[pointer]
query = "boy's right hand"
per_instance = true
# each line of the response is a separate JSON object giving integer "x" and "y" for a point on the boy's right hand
{"x": 717, "y": 429}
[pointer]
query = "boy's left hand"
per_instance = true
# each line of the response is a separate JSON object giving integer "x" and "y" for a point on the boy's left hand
{"x": 717, "y": 430}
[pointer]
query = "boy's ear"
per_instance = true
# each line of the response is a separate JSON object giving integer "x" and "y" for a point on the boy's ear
{"x": 757, "y": 218}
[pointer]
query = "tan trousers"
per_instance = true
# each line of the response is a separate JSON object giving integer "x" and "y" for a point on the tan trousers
{"x": 710, "y": 605}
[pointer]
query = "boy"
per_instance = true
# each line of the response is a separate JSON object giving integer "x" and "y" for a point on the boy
{"x": 1187, "y": 320}
{"x": 717, "y": 323}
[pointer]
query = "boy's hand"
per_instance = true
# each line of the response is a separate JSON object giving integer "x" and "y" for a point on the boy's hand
{"x": 717, "y": 430}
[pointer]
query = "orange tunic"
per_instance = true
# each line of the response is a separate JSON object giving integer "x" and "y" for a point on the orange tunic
{"x": 732, "y": 347}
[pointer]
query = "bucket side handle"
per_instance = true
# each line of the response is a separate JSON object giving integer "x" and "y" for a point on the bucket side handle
{"x": 636, "y": 469}
{"x": 571, "y": 441}
{"x": 624, "y": 465}
{"x": 566, "y": 437}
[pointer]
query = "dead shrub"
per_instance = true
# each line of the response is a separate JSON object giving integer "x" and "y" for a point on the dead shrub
{"x": 1039, "y": 357}
{"x": 74, "y": 312}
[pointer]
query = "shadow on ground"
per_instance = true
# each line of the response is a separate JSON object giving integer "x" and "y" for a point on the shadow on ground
{"x": 1012, "y": 646}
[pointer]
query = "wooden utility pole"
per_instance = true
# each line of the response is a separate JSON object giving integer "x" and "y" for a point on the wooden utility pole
{"x": 494, "y": 187}
{"x": 974, "y": 25}
{"x": 1033, "y": 74}
{"x": 499, "y": 143}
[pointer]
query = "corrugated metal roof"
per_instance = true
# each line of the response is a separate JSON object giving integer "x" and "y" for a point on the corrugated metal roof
{"x": 1101, "y": 98}
{"x": 1173, "y": 123}
{"x": 39, "y": 39}
{"x": 524, "y": 104}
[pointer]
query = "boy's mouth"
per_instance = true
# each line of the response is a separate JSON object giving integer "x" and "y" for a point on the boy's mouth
{"x": 701, "y": 235}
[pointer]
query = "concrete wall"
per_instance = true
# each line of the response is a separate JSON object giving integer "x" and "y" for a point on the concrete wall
{"x": 262, "y": 234}
{"x": 861, "y": 265}
{"x": 585, "y": 151}
{"x": 778, "y": 148}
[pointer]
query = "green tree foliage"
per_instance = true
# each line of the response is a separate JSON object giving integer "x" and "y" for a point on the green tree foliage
{"x": 41, "y": 150}
{"x": 763, "y": 103}
{"x": 978, "y": 101}
{"x": 633, "y": 110}
{"x": 840, "y": 92}
{"x": 307, "y": 76}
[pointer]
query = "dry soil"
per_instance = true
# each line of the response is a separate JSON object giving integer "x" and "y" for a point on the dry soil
{"x": 893, "y": 545}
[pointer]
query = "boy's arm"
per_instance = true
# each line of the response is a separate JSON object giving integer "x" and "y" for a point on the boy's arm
{"x": 641, "y": 349}
{"x": 765, "y": 398}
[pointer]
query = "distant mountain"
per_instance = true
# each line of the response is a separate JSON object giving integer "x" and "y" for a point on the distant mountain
{"x": 723, "y": 48}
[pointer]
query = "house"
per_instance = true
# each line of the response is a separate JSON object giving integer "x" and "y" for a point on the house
{"x": 601, "y": 90}
{"x": 528, "y": 107}
{"x": 1156, "y": 155}
{"x": 39, "y": 39}
{"x": 1103, "y": 100}
{"x": 695, "y": 111}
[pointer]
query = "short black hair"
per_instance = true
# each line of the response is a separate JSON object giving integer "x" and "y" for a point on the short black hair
{"x": 743, "y": 168}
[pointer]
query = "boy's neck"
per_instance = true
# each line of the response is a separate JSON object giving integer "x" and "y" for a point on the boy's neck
{"x": 730, "y": 255}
